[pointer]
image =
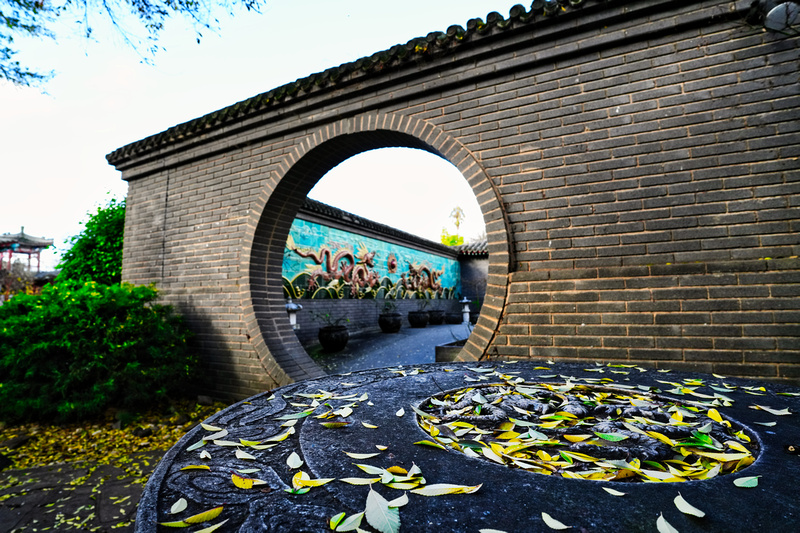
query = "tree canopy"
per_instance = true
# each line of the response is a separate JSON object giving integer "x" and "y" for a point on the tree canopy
{"x": 96, "y": 253}
{"x": 37, "y": 19}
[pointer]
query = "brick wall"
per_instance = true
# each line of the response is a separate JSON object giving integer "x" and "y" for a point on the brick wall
{"x": 636, "y": 163}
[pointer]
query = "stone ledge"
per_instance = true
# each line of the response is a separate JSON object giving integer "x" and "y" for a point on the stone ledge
{"x": 508, "y": 500}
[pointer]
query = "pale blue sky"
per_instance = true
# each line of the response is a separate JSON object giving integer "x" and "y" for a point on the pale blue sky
{"x": 53, "y": 145}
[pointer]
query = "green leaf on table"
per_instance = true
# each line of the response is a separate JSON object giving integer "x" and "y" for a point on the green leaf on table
{"x": 664, "y": 526}
{"x": 746, "y": 482}
{"x": 179, "y": 506}
{"x": 217, "y": 436}
{"x": 687, "y": 508}
{"x": 430, "y": 443}
{"x": 360, "y": 480}
{"x": 241, "y": 454}
{"x": 215, "y": 527}
{"x": 770, "y": 410}
{"x": 614, "y": 492}
{"x": 399, "y": 502}
{"x": 552, "y": 523}
{"x": 371, "y": 470}
{"x": 379, "y": 515}
{"x": 282, "y": 436}
{"x": 199, "y": 518}
{"x": 612, "y": 437}
{"x": 351, "y": 523}
{"x": 361, "y": 455}
{"x": 293, "y": 416}
{"x": 706, "y": 428}
{"x": 294, "y": 461}
{"x": 336, "y": 520}
{"x": 442, "y": 489}
{"x": 196, "y": 445}
{"x": 334, "y": 425}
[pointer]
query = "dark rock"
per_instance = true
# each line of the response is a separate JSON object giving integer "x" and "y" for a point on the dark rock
{"x": 142, "y": 432}
{"x": 16, "y": 442}
{"x": 205, "y": 400}
{"x": 5, "y": 462}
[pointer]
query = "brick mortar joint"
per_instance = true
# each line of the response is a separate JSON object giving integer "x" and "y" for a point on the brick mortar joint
{"x": 709, "y": 268}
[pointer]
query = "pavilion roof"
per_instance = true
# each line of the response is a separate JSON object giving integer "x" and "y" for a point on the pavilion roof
{"x": 22, "y": 239}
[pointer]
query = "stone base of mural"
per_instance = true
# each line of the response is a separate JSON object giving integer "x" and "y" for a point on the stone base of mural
{"x": 454, "y": 318}
{"x": 333, "y": 338}
{"x": 390, "y": 322}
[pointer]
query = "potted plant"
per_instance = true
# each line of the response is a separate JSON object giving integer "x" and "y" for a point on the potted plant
{"x": 436, "y": 315}
{"x": 389, "y": 320}
{"x": 333, "y": 336}
{"x": 419, "y": 318}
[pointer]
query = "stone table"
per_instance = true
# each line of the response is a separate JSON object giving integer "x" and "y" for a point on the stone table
{"x": 272, "y": 432}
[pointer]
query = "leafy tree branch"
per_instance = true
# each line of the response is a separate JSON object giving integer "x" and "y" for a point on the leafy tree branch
{"x": 37, "y": 19}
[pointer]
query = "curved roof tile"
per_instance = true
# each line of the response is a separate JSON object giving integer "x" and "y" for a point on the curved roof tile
{"x": 432, "y": 45}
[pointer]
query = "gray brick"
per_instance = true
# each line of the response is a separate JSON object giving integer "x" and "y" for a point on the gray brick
{"x": 678, "y": 144}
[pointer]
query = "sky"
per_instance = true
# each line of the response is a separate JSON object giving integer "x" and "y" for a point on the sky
{"x": 54, "y": 138}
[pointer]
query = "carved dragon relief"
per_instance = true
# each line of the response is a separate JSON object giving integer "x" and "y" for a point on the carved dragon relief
{"x": 340, "y": 265}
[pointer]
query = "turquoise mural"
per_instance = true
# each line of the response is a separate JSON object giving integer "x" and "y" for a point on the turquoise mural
{"x": 324, "y": 262}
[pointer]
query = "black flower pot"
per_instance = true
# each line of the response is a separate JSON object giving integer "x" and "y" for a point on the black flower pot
{"x": 390, "y": 322}
{"x": 435, "y": 317}
{"x": 333, "y": 338}
{"x": 418, "y": 319}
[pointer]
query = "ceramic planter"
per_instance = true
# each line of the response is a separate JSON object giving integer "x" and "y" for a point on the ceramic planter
{"x": 333, "y": 338}
{"x": 390, "y": 322}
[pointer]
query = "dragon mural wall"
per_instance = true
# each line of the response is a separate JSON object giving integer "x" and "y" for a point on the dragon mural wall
{"x": 322, "y": 263}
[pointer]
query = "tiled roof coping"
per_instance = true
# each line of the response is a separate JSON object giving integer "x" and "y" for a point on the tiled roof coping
{"x": 355, "y": 221}
{"x": 477, "y": 248}
{"x": 433, "y": 45}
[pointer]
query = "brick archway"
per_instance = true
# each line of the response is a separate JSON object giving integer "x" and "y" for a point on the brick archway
{"x": 638, "y": 159}
{"x": 267, "y": 325}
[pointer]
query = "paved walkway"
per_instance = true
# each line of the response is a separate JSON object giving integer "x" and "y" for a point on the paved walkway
{"x": 72, "y": 497}
{"x": 409, "y": 346}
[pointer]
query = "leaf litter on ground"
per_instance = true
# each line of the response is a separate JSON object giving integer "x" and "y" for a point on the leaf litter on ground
{"x": 79, "y": 449}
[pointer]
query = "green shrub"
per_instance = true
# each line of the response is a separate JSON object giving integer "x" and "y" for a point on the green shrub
{"x": 96, "y": 253}
{"x": 79, "y": 348}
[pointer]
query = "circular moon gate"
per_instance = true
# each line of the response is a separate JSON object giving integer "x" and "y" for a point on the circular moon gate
{"x": 587, "y": 432}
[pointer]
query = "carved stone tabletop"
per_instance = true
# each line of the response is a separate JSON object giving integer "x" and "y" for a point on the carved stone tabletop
{"x": 264, "y": 462}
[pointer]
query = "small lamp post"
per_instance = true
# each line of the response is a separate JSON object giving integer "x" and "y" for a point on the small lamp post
{"x": 292, "y": 309}
{"x": 465, "y": 310}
